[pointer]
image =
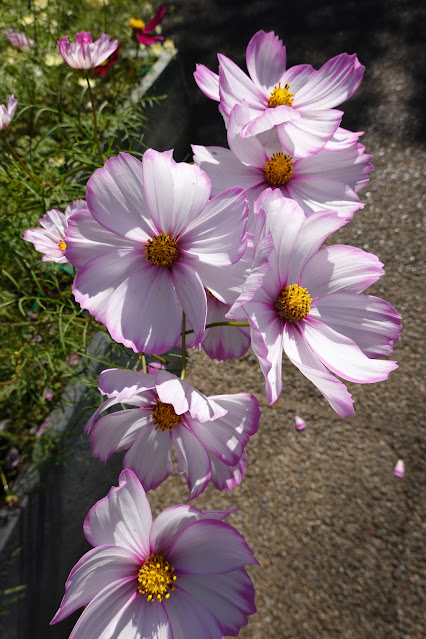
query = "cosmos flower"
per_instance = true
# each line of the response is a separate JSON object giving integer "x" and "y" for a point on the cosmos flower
{"x": 85, "y": 54}
{"x": 181, "y": 575}
{"x": 148, "y": 246}
{"x": 144, "y": 32}
{"x": 50, "y": 239}
{"x": 310, "y": 306}
{"x": 328, "y": 180}
{"x": 7, "y": 112}
{"x": 300, "y": 101}
{"x": 208, "y": 434}
{"x": 18, "y": 40}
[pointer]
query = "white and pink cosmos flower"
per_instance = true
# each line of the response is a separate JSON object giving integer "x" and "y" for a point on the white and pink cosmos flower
{"x": 299, "y": 101}
{"x": 19, "y": 40}
{"x": 50, "y": 239}
{"x": 310, "y": 305}
{"x": 328, "y": 180}
{"x": 180, "y": 576}
{"x": 7, "y": 112}
{"x": 85, "y": 54}
{"x": 208, "y": 434}
{"x": 149, "y": 245}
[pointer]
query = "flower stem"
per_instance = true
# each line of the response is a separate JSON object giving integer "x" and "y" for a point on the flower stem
{"x": 95, "y": 123}
{"x": 182, "y": 375}
{"x": 143, "y": 361}
{"x": 213, "y": 324}
{"x": 22, "y": 163}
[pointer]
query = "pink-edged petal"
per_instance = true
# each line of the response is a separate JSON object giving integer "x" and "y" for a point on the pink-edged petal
{"x": 369, "y": 321}
{"x": 297, "y": 76}
{"x": 117, "y": 431}
{"x": 209, "y": 547}
{"x": 300, "y": 423}
{"x": 266, "y": 59}
{"x": 223, "y": 342}
{"x": 103, "y": 614}
{"x": 207, "y": 81}
{"x": 97, "y": 569}
{"x": 116, "y": 199}
{"x": 235, "y": 86}
{"x": 399, "y": 470}
{"x": 86, "y": 239}
{"x": 226, "y": 477}
{"x": 149, "y": 294}
{"x": 150, "y": 457}
{"x": 156, "y": 19}
{"x": 248, "y": 150}
{"x": 189, "y": 618}
{"x": 54, "y": 222}
{"x": 98, "y": 279}
{"x": 217, "y": 236}
{"x": 315, "y": 193}
{"x": 104, "y": 406}
{"x": 144, "y": 620}
{"x": 316, "y": 228}
{"x": 171, "y": 521}
{"x": 340, "y": 269}
{"x": 74, "y": 207}
{"x": 308, "y": 134}
{"x": 122, "y": 518}
{"x": 335, "y": 82}
{"x": 192, "y": 296}
{"x": 186, "y": 398}
{"x": 192, "y": 460}
{"x": 45, "y": 243}
{"x": 343, "y": 139}
{"x": 342, "y": 356}
{"x": 123, "y": 384}
{"x": 225, "y": 170}
{"x": 176, "y": 192}
{"x": 301, "y": 355}
{"x": 280, "y": 115}
{"x": 229, "y": 597}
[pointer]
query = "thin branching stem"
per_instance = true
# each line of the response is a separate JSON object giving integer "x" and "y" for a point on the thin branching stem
{"x": 182, "y": 374}
{"x": 95, "y": 123}
{"x": 22, "y": 163}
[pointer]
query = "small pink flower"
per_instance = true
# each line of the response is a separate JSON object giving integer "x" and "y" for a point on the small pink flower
{"x": 208, "y": 434}
{"x": 7, "y": 113}
{"x": 72, "y": 360}
{"x": 181, "y": 575}
{"x": 50, "y": 239}
{"x": 300, "y": 423}
{"x": 145, "y": 33}
{"x": 299, "y": 101}
{"x": 18, "y": 40}
{"x": 48, "y": 394}
{"x": 85, "y": 54}
{"x": 399, "y": 470}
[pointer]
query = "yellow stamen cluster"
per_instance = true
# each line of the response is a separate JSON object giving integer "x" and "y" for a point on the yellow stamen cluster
{"x": 162, "y": 250}
{"x": 62, "y": 245}
{"x": 293, "y": 303}
{"x": 279, "y": 169}
{"x": 137, "y": 25}
{"x": 156, "y": 578}
{"x": 281, "y": 95}
{"x": 165, "y": 417}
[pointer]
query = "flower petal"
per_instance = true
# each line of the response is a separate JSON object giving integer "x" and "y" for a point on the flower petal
{"x": 144, "y": 620}
{"x": 192, "y": 460}
{"x": 235, "y": 86}
{"x": 186, "y": 398}
{"x": 117, "y": 431}
{"x": 314, "y": 193}
{"x": 192, "y": 296}
{"x": 266, "y": 60}
{"x": 306, "y": 135}
{"x": 189, "y": 619}
{"x": 226, "y": 477}
{"x": 207, "y": 81}
{"x": 223, "y": 342}
{"x": 124, "y": 384}
{"x": 150, "y": 457}
{"x": 280, "y": 115}
{"x": 248, "y": 150}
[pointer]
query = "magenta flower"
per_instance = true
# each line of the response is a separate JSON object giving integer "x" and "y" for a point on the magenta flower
{"x": 179, "y": 576}
{"x": 50, "y": 239}
{"x": 310, "y": 305}
{"x": 150, "y": 244}
{"x": 48, "y": 394}
{"x": 300, "y": 423}
{"x": 145, "y": 32}
{"x": 328, "y": 180}
{"x": 7, "y": 112}
{"x": 399, "y": 470}
{"x": 300, "y": 101}
{"x": 208, "y": 434}
{"x": 85, "y": 54}
{"x": 18, "y": 40}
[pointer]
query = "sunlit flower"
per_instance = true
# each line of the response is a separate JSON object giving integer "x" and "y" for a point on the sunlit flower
{"x": 300, "y": 423}
{"x": 208, "y": 434}
{"x": 399, "y": 470}
{"x": 109, "y": 62}
{"x": 181, "y": 575}
{"x": 50, "y": 239}
{"x": 18, "y": 40}
{"x": 144, "y": 32}
{"x": 310, "y": 306}
{"x": 300, "y": 101}
{"x": 148, "y": 246}
{"x": 7, "y": 112}
{"x": 328, "y": 180}
{"x": 28, "y": 19}
{"x": 85, "y": 54}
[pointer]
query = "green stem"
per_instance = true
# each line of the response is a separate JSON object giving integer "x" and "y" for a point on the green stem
{"x": 22, "y": 163}
{"x": 143, "y": 360}
{"x": 4, "y": 481}
{"x": 95, "y": 123}
{"x": 182, "y": 375}
{"x": 213, "y": 324}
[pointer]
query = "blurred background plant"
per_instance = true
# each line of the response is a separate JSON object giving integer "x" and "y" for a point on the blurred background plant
{"x": 43, "y": 333}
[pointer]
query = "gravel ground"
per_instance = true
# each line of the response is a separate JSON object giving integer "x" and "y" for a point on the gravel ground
{"x": 339, "y": 539}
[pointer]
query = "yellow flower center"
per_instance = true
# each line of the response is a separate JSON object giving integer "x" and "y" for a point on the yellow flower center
{"x": 62, "y": 245}
{"x": 279, "y": 169}
{"x": 161, "y": 250}
{"x": 137, "y": 24}
{"x": 164, "y": 416}
{"x": 281, "y": 95}
{"x": 293, "y": 303}
{"x": 155, "y": 578}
